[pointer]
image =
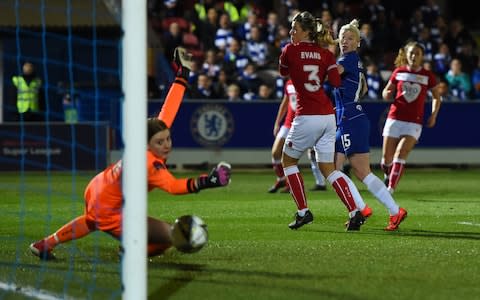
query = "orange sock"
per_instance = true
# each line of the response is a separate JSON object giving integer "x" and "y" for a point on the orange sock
{"x": 172, "y": 101}
{"x": 75, "y": 229}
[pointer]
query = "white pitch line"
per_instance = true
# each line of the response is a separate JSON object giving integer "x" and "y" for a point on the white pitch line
{"x": 468, "y": 223}
{"x": 30, "y": 292}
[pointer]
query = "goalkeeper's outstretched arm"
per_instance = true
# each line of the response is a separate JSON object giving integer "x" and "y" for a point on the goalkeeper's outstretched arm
{"x": 174, "y": 98}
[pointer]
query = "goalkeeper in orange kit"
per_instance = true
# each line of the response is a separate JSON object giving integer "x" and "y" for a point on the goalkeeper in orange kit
{"x": 104, "y": 197}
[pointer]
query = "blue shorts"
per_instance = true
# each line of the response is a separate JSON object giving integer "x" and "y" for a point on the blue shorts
{"x": 353, "y": 136}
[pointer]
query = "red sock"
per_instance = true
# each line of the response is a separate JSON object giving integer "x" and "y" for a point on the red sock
{"x": 340, "y": 184}
{"x": 75, "y": 229}
{"x": 396, "y": 173}
{"x": 297, "y": 190}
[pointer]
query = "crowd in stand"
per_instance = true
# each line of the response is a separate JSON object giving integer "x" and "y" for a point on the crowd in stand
{"x": 236, "y": 44}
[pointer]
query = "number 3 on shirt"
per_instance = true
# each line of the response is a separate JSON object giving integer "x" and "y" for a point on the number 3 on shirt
{"x": 312, "y": 71}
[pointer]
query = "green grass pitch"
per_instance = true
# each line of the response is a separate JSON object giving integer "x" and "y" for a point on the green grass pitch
{"x": 251, "y": 253}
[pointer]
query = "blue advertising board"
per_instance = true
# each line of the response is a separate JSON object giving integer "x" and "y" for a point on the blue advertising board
{"x": 53, "y": 146}
{"x": 219, "y": 124}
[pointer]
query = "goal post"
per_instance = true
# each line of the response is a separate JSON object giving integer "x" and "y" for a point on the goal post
{"x": 134, "y": 74}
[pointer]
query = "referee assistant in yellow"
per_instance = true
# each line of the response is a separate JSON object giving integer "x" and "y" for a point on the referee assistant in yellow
{"x": 28, "y": 87}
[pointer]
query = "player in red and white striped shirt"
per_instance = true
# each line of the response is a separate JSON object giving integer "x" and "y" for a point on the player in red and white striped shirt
{"x": 408, "y": 86}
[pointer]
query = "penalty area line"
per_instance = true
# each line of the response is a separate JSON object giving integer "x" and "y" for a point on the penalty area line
{"x": 468, "y": 223}
{"x": 30, "y": 292}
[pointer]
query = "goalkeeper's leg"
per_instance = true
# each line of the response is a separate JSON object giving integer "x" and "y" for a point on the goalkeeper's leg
{"x": 75, "y": 229}
{"x": 159, "y": 236}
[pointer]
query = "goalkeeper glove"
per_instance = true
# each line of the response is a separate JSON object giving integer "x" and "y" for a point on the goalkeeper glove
{"x": 219, "y": 176}
{"x": 183, "y": 60}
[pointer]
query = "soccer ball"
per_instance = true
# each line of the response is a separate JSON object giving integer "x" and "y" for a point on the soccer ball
{"x": 189, "y": 234}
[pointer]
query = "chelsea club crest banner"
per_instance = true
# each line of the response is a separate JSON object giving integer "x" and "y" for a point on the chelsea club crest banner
{"x": 242, "y": 125}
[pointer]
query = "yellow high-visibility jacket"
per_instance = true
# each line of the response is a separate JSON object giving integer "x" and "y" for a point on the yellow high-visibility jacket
{"x": 27, "y": 93}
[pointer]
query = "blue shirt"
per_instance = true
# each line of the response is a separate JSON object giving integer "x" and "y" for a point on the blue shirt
{"x": 353, "y": 125}
{"x": 349, "y": 92}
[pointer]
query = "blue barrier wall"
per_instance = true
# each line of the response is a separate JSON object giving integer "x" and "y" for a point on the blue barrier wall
{"x": 217, "y": 124}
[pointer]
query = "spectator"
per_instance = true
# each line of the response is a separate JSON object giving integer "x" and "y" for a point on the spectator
{"x": 210, "y": 65}
{"x": 172, "y": 9}
{"x": 207, "y": 29}
{"x": 459, "y": 81}
{"x": 272, "y": 27}
{"x": 194, "y": 72}
{"x": 340, "y": 16}
{"x": 366, "y": 41}
{"x": 204, "y": 88}
{"x": 427, "y": 42}
{"x": 416, "y": 24}
{"x": 374, "y": 81}
{"x": 244, "y": 29}
{"x": 282, "y": 37}
{"x": 70, "y": 112}
{"x": 249, "y": 82}
{"x": 439, "y": 30}
{"x": 234, "y": 61}
{"x": 441, "y": 60}
{"x": 29, "y": 94}
{"x": 427, "y": 65}
{"x": 264, "y": 92}
{"x": 257, "y": 7}
{"x": 327, "y": 20}
{"x": 371, "y": 11}
{"x": 233, "y": 93}
{"x": 444, "y": 91}
{"x": 230, "y": 9}
{"x": 220, "y": 86}
{"x": 476, "y": 81}
{"x": 224, "y": 34}
{"x": 172, "y": 39}
{"x": 430, "y": 11}
{"x": 287, "y": 9}
{"x": 257, "y": 48}
{"x": 457, "y": 36}
{"x": 201, "y": 8}
{"x": 468, "y": 57}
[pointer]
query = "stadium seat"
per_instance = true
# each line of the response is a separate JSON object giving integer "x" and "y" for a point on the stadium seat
{"x": 190, "y": 40}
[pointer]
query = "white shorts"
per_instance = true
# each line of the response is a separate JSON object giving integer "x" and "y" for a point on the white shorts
{"x": 396, "y": 129}
{"x": 308, "y": 131}
{"x": 283, "y": 132}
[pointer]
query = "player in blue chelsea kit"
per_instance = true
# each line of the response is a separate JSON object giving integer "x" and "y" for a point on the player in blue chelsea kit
{"x": 353, "y": 126}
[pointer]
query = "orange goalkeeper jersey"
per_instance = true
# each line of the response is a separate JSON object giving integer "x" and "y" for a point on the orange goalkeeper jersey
{"x": 104, "y": 197}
